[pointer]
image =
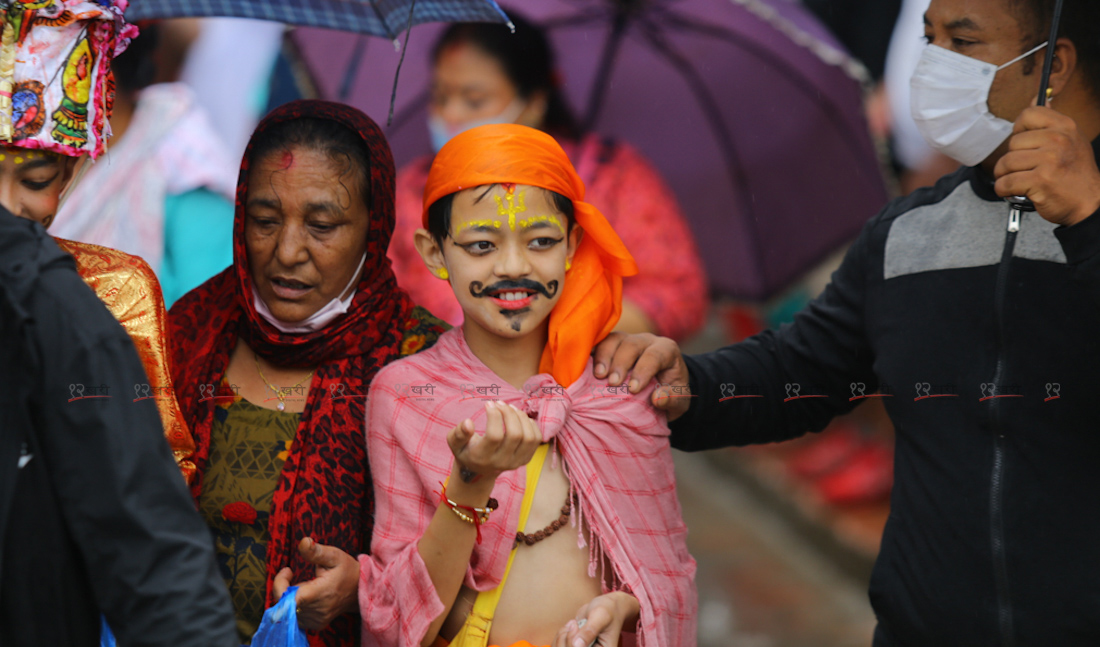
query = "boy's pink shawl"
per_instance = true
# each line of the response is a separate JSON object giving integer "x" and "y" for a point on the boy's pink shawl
{"x": 618, "y": 460}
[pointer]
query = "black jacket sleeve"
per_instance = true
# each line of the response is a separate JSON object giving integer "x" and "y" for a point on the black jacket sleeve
{"x": 755, "y": 391}
{"x": 1081, "y": 245}
{"x": 149, "y": 555}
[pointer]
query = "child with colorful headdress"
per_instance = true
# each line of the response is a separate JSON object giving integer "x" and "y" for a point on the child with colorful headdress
{"x": 560, "y": 523}
{"x": 56, "y": 91}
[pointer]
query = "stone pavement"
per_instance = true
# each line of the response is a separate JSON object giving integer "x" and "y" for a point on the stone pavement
{"x": 762, "y": 582}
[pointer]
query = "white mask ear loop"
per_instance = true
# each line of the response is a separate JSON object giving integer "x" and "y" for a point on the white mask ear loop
{"x": 355, "y": 277}
{"x": 1023, "y": 56}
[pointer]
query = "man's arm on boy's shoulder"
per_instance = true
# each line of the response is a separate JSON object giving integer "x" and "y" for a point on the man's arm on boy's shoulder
{"x": 777, "y": 385}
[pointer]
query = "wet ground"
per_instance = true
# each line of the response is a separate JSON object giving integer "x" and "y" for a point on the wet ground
{"x": 761, "y": 582}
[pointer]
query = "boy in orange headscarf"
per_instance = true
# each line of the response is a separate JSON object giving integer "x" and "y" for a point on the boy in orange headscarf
{"x": 478, "y": 538}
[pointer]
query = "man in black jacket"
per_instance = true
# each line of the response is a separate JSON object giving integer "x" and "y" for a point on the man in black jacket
{"x": 94, "y": 516}
{"x": 978, "y": 326}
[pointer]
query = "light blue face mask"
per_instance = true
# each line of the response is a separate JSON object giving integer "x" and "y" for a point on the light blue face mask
{"x": 442, "y": 133}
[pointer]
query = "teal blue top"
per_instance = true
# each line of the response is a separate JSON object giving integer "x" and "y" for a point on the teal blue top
{"x": 198, "y": 241}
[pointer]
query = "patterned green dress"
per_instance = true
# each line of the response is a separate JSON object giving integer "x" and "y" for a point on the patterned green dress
{"x": 248, "y": 447}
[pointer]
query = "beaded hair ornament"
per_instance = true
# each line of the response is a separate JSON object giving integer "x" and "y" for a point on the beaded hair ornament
{"x": 56, "y": 86}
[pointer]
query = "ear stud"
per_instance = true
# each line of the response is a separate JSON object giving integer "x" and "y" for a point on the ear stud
{"x": 443, "y": 273}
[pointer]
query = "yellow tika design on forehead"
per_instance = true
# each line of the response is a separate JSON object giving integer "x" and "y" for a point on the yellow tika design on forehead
{"x": 473, "y": 224}
{"x": 515, "y": 205}
{"x": 547, "y": 218}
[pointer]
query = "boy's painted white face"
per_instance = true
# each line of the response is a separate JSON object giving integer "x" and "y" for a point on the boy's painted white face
{"x": 506, "y": 257}
{"x": 31, "y": 182}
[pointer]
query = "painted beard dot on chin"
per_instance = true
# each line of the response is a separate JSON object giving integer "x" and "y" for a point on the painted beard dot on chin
{"x": 516, "y": 317}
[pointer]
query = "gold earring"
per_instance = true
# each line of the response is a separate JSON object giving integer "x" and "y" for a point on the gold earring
{"x": 443, "y": 273}
{"x": 568, "y": 264}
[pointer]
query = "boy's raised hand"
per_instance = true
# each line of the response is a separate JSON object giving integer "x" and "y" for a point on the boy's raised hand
{"x": 509, "y": 442}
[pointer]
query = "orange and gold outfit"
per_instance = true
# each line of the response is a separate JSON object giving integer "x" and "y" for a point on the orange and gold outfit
{"x": 129, "y": 289}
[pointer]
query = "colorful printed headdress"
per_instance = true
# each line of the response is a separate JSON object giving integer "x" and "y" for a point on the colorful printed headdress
{"x": 56, "y": 86}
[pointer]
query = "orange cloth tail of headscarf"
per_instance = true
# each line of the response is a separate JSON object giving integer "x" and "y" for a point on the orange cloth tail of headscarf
{"x": 591, "y": 300}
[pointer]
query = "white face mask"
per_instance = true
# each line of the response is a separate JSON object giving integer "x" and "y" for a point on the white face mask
{"x": 950, "y": 103}
{"x": 317, "y": 320}
{"x": 442, "y": 133}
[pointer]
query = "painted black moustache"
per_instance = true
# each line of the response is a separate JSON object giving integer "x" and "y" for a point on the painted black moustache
{"x": 548, "y": 290}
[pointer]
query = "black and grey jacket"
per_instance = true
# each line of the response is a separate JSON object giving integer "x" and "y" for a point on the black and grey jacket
{"x": 981, "y": 334}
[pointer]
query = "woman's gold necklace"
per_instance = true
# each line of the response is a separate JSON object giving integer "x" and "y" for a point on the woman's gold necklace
{"x": 279, "y": 393}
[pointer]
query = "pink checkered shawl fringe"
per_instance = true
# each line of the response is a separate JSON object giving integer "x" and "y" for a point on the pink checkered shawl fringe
{"x": 618, "y": 460}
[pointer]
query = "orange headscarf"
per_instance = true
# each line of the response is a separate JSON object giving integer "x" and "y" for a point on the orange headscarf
{"x": 592, "y": 297}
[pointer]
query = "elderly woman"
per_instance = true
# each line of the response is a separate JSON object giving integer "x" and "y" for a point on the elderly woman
{"x": 274, "y": 356}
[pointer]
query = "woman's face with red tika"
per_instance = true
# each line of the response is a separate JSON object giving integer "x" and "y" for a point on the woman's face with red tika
{"x": 31, "y": 182}
{"x": 305, "y": 230}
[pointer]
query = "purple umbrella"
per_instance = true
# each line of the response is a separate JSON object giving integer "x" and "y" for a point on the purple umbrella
{"x": 751, "y": 111}
{"x": 378, "y": 17}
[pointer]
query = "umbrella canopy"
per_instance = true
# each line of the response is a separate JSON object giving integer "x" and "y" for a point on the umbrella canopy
{"x": 377, "y": 17}
{"x": 750, "y": 110}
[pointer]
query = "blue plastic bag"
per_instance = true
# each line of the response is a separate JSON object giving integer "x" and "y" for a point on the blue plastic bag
{"x": 106, "y": 638}
{"x": 279, "y": 627}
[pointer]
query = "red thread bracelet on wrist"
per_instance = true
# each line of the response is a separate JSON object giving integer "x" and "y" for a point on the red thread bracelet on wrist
{"x": 476, "y": 516}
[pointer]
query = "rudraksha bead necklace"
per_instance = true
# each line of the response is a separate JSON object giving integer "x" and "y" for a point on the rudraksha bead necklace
{"x": 554, "y": 526}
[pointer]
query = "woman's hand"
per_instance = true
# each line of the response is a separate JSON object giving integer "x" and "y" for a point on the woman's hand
{"x": 509, "y": 442}
{"x": 334, "y": 592}
{"x": 600, "y": 621}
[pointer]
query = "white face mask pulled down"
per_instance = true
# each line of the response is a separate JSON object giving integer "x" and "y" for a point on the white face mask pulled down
{"x": 950, "y": 104}
{"x": 317, "y": 320}
{"x": 442, "y": 133}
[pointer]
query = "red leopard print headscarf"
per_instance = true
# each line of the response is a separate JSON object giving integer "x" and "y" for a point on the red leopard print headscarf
{"x": 324, "y": 490}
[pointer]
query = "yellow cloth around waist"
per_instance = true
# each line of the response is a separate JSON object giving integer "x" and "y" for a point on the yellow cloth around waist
{"x": 475, "y": 631}
{"x": 442, "y": 642}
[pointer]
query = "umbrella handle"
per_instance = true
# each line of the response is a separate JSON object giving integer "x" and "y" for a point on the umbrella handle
{"x": 1019, "y": 202}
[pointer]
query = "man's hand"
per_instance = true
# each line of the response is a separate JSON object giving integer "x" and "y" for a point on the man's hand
{"x": 1050, "y": 162}
{"x": 334, "y": 592}
{"x": 648, "y": 356}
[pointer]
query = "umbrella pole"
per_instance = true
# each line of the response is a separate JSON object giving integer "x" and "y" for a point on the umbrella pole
{"x": 400, "y": 62}
{"x": 1020, "y": 204}
{"x": 1048, "y": 61}
{"x": 607, "y": 60}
